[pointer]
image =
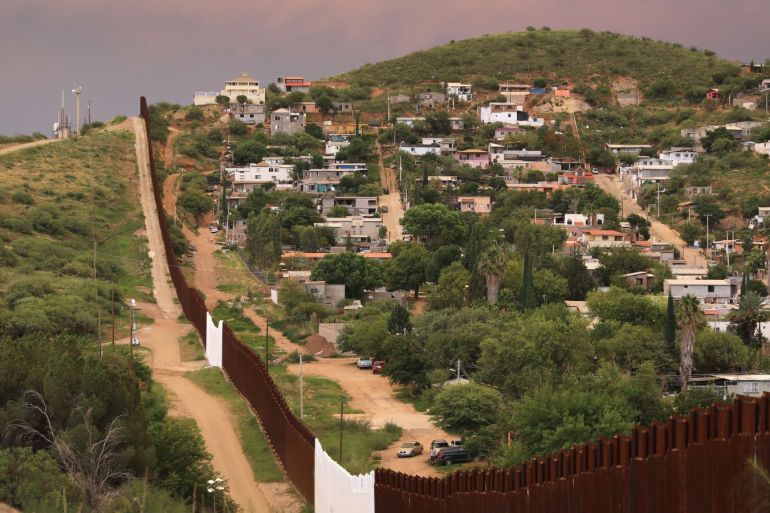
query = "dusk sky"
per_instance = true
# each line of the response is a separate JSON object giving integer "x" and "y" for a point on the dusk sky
{"x": 166, "y": 49}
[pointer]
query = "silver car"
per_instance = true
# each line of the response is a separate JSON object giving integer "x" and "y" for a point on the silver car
{"x": 409, "y": 449}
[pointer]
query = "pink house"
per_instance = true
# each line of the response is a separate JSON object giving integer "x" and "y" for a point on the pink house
{"x": 481, "y": 205}
{"x": 712, "y": 94}
{"x": 563, "y": 92}
{"x": 473, "y": 158}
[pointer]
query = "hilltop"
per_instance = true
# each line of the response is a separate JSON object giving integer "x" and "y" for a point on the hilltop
{"x": 575, "y": 57}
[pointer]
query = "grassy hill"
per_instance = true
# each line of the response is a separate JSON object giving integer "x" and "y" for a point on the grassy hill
{"x": 572, "y": 56}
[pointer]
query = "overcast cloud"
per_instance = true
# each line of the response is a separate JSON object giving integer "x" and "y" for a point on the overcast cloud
{"x": 166, "y": 49}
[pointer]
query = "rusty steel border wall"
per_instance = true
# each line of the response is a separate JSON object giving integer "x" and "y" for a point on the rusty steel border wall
{"x": 291, "y": 440}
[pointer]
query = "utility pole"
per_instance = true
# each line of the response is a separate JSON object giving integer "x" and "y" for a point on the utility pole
{"x": 77, "y": 92}
{"x": 706, "y": 251}
{"x": 658, "y": 184}
{"x": 267, "y": 341}
{"x": 458, "y": 370}
{"x": 388, "y": 105}
{"x": 89, "y": 113}
{"x": 342, "y": 404}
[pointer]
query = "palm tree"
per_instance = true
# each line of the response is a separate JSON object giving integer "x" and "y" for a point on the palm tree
{"x": 748, "y": 317}
{"x": 492, "y": 266}
{"x": 689, "y": 313}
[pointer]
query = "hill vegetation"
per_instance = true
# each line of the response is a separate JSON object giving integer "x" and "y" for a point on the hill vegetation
{"x": 56, "y": 203}
{"x": 576, "y": 57}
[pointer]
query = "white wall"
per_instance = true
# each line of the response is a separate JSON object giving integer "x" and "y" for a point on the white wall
{"x": 213, "y": 342}
{"x": 336, "y": 491}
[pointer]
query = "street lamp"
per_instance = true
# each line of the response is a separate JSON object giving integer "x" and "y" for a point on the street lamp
{"x": 215, "y": 485}
{"x": 400, "y": 167}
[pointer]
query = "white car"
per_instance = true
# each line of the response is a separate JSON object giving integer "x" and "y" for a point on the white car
{"x": 213, "y": 228}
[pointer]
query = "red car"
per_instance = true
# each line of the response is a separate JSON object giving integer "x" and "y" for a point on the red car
{"x": 377, "y": 367}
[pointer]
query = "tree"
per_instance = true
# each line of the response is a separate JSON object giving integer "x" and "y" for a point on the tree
{"x": 466, "y": 408}
{"x": 719, "y": 141}
{"x": 242, "y": 99}
{"x": 720, "y": 352}
{"x": 433, "y": 223}
{"x": 314, "y": 130}
{"x": 222, "y": 99}
{"x": 248, "y": 152}
{"x": 196, "y": 202}
{"x": 452, "y": 288}
{"x": 746, "y": 320}
{"x": 579, "y": 280}
{"x": 263, "y": 239}
{"x": 359, "y": 150}
{"x": 238, "y": 127}
{"x": 308, "y": 239}
{"x": 350, "y": 269}
{"x": 194, "y": 114}
{"x": 492, "y": 266}
{"x": 527, "y": 284}
{"x": 407, "y": 363}
{"x": 689, "y": 312}
{"x": 622, "y": 306}
{"x": 338, "y": 211}
{"x": 398, "y": 322}
{"x": 663, "y": 89}
{"x": 690, "y": 232}
{"x": 670, "y": 330}
{"x": 409, "y": 269}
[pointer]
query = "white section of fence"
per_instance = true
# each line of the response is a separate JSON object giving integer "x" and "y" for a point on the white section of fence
{"x": 336, "y": 491}
{"x": 213, "y": 342}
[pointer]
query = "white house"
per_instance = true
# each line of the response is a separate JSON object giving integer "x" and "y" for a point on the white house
{"x": 461, "y": 91}
{"x": 332, "y": 147}
{"x": 447, "y": 144}
{"x": 707, "y": 291}
{"x": 508, "y": 114}
{"x": 419, "y": 151}
{"x": 252, "y": 176}
{"x": 244, "y": 85}
{"x": 410, "y": 122}
{"x": 358, "y": 228}
{"x": 634, "y": 149}
{"x": 676, "y": 156}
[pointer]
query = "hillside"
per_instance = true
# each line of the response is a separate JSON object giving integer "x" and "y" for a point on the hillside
{"x": 571, "y": 56}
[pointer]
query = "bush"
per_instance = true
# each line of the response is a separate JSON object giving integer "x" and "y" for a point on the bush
{"x": 22, "y": 198}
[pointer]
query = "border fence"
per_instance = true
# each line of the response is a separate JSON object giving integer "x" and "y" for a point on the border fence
{"x": 693, "y": 464}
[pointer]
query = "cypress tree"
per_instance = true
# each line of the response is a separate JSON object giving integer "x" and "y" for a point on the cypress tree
{"x": 527, "y": 284}
{"x": 670, "y": 329}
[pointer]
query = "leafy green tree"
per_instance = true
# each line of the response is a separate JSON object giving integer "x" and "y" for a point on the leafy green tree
{"x": 222, "y": 99}
{"x": 398, "y": 322}
{"x": 690, "y": 232}
{"x": 196, "y": 202}
{"x": 492, "y": 266}
{"x": 621, "y": 261}
{"x": 747, "y": 319}
{"x": 433, "y": 223}
{"x": 309, "y": 239}
{"x": 238, "y": 128}
{"x": 194, "y": 114}
{"x": 242, "y": 99}
{"x": 31, "y": 480}
{"x": 661, "y": 89}
{"x": 359, "y": 150}
{"x": 720, "y": 352}
{"x": 368, "y": 332}
{"x": 701, "y": 397}
{"x": 249, "y": 152}
{"x": 625, "y": 307}
{"x": 407, "y": 363}
{"x": 338, "y": 211}
{"x": 181, "y": 455}
{"x": 263, "y": 239}
{"x": 314, "y": 130}
{"x": 719, "y": 141}
{"x": 689, "y": 314}
{"x": 350, "y": 269}
{"x": 452, "y": 288}
{"x": 408, "y": 270}
{"x": 466, "y": 408}
{"x": 630, "y": 346}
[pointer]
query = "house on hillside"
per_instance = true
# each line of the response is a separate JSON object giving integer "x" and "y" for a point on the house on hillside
{"x": 356, "y": 205}
{"x": 603, "y": 239}
{"x": 318, "y": 181}
{"x": 473, "y": 158}
{"x": 634, "y": 149}
{"x": 358, "y": 228}
{"x": 284, "y": 121}
{"x": 513, "y": 92}
{"x": 503, "y": 132}
{"x": 678, "y": 155}
{"x": 460, "y": 90}
{"x": 707, "y": 291}
{"x": 442, "y": 181}
{"x": 399, "y": 98}
{"x": 445, "y": 144}
{"x": 248, "y": 113}
{"x": 481, "y": 205}
{"x": 244, "y": 85}
{"x": 644, "y": 280}
{"x": 456, "y": 124}
{"x": 291, "y": 84}
{"x": 508, "y": 114}
{"x": 431, "y": 100}
{"x": 712, "y": 94}
{"x": 410, "y": 122}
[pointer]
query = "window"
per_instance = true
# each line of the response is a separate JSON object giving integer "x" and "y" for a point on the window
{"x": 751, "y": 387}
{"x": 711, "y": 288}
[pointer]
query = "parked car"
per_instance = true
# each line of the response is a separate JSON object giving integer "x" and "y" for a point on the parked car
{"x": 364, "y": 362}
{"x": 409, "y": 449}
{"x": 377, "y": 367}
{"x": 455, "y": 443}
{"x": 213, "y": 228}
{"x": 450, "y": 455}
{"x": 435, "y": 446}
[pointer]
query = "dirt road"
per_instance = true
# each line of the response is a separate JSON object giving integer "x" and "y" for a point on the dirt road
{"x": 391, "y": 219}
{"x": 658, "y": 230}
{"x": 25, "y": 146}
{"x": 210, "y": 413}
{"x": 373, "y": 395}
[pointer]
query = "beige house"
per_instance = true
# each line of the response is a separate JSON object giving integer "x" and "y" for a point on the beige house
{"x": 481, "y": 205}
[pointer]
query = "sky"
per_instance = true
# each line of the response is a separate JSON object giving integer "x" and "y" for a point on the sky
{"x": 119, "y": 50}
